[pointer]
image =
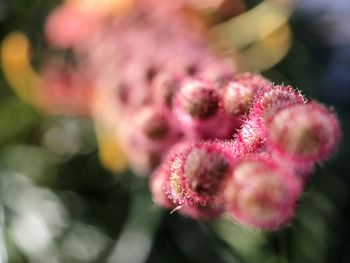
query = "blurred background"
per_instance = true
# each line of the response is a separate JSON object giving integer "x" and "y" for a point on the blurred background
{"x": 59, "y": 204}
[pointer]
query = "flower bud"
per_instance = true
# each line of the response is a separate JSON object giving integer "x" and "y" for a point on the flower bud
{"x": 260, "y": 194}
{"x": 163, "y": 88}
{"x": 307, "y": 132}
{"x": 249, "y": 138}
{"x": 196, "y": 173}
{"x": 153, "y": 129}
{"x": 197, "y": 99}
{"x": 154, "y": 125}
{"x": 196, "y": 107}
{"x": 239, "y": 92}
{"x": 269, "y": 102}
{"x": 237, "y": 98}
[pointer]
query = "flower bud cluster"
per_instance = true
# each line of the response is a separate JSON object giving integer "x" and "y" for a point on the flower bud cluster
{"x": 247, "y": 148}
{"x": 216, "y": 141}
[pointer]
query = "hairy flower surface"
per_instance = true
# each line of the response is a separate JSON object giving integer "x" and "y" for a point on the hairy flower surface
{"x": 240, "y": 91}
{"x": 305, "y": 132}
{"x": 197, "y": 99}
{"x": 261, "y": 194}
{"x": 196, "y": 173}
{"x": 158, "y": 188}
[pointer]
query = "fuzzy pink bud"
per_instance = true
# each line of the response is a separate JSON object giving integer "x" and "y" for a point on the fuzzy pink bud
{"x": 154, "y": 125}
{"x": 237, "y": 98}
{"x": 260, "y": 194}
{"x": 305, "y": 132}
{"x": 154, "y": 129}
{"x": 196, "y": 107}
{"x": 196, "y": 173}
{"x": 249, "y": 139}
{"x": 198, "y": 99}
{"x": 269, "y": 102}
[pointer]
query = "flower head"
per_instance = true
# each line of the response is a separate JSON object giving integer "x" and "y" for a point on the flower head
{"x": 260, "y": 194}
{"x": 305, "y": 132}
{"x": 196, "y": 173}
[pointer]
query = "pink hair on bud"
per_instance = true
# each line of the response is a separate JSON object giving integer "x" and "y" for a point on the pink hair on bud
{"x": 261, "y": 194}
{"x": 236, "y": 98}
{"x": 269, "y": 101}
{"x": 249, "y": 139}
{"x": 239, "y": 92}
{"x": 306, "y": 133}
{"x": 254, "y": 82}
{"x": 196, "y": 173}
{"x": 158, "y": 185}
{"x": 197, "y": 99}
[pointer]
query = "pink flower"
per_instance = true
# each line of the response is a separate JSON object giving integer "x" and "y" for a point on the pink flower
{"x": 239, "y": 92}
{"x": 305, "y": 133}
{"x": 270, "y": 100}
{"x": 196, "y": 107}
{"x": 196, "y": 173}
{"x": 196, "y": 99}
{"x": 214, "y": 140}
{"x": 155, "y": 128}
{"x": 261, "y": 194}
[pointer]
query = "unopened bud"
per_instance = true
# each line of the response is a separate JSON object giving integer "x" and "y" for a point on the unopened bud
{"x": 307, "y": 132}
{"x": 154, "y": 125}
{"x": 270, "y": 102}
{"x": 196, "y": 173}
{"x": 198, "y": 99}
{"x": 237, "y": 98}
{"x": 262, "y": 195}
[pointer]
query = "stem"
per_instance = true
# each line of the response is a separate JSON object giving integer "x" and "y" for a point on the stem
{"x": 230, "y": 250}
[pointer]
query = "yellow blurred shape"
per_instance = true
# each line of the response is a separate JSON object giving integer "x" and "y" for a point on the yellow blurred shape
{"x": 106, "y": 116}
{"x": 110, "y": 151}
{"x": 267, "y": 51}
{"x": 15, "y": 61}
{"x": 257, "y": 39}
